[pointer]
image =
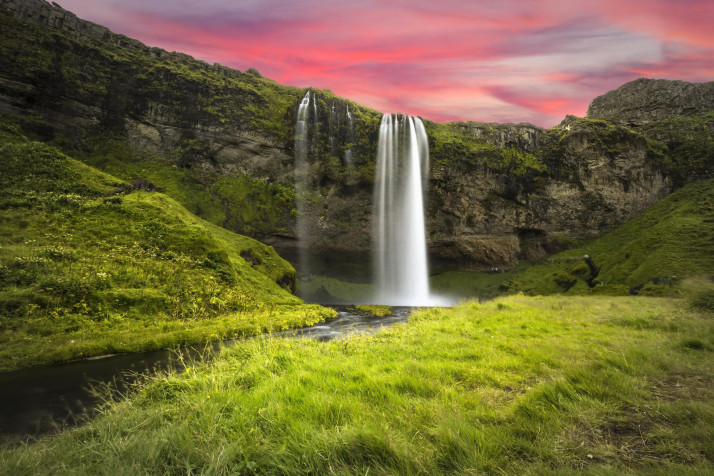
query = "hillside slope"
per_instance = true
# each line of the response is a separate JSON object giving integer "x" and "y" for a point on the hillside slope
{"x": 90, "y": 265}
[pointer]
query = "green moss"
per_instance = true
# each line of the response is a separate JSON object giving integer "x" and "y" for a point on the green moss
{"x": 516, "y": 163}
{"x": 604, "y": 137}
{"x": 255, "y": 206}
{"x": 34, "y": 166}
{"x": 449, "y": 147}
{"x": 658, "y": 248}
{"x": 375, "y": 310}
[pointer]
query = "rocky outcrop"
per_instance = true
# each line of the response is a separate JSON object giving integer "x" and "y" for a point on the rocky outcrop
{"x": 498, "y": 193}
{"x": 522, "y": 136}
{"x": 647, "y": 100}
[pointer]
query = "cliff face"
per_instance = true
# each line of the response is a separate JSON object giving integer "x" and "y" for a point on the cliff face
{"x": 221, "y": 142}
{"x": 585, "y": 178}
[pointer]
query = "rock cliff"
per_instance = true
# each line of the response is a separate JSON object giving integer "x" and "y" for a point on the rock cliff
{"x": 644, "y": 101}
{"x": 221, "y": 142}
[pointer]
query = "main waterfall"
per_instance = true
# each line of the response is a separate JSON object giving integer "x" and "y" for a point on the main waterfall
{"x": 400, "y": 261}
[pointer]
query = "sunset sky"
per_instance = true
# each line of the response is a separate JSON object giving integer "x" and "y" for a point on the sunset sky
{"x": 506, "y": 60}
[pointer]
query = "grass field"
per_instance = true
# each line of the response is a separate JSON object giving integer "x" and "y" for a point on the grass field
{"x": 518, "y": 385}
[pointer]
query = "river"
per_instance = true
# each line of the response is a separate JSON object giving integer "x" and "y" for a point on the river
{"x": 45, "y": 399}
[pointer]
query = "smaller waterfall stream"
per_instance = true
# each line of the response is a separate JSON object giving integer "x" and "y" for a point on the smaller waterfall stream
{"x": 302, "y": 147}
{"x": 349, "y": 137}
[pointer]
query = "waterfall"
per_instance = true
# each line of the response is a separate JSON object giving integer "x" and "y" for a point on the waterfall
{"x": 302, "y": 146}
{"x": 314, "y": 109}
{"x": 400, "y": 261}
{"x": 334, "y": 124}
{"x": 349, "y": 137}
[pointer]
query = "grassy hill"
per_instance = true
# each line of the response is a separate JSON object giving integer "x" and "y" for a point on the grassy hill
{"x": 90, "y": 265}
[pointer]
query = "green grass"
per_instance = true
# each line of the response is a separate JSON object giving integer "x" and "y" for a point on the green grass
{"x": 690, "y": 146}
{"x": 519, "y": 385}
{"x": 238, "y": 202}
{"x": 674, "y": 238}
{"x": 89, "y": 266}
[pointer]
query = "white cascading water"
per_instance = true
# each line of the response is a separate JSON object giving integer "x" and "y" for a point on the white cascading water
{"x": 302, "y": 145}
{"x": 400, "y": 260}
{"x": 334, "y": 124}
{"x": 349, "y": 137}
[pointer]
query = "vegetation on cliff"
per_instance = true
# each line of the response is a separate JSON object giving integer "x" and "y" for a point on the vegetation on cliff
{"x": 122, "y": 80}
{"x": 234, "y": 201}
{"x": 520, "y": 385}
{"x": 221, "y": 141}
{"x": 204, "y": 123}
{"x": 689, "y": 146}
{"x": 653, "y": 253}
{"x": 90, "y": 265}
{"x": 450, "y": 146}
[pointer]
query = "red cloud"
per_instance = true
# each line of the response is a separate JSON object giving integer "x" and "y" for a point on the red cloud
{"x": 508, "y": 60}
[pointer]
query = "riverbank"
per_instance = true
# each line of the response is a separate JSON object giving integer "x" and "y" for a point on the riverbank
{"x": 68, "y": 338}
{"x": 519, "y": 385}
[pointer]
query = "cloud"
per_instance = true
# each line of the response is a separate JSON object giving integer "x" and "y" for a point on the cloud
{"x": 493, "y": 61}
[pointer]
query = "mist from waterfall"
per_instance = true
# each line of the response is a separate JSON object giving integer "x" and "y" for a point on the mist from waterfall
{"x": 400, "y": 259}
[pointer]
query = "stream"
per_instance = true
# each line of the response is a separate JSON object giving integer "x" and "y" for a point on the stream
{"x": 45, "y": 399}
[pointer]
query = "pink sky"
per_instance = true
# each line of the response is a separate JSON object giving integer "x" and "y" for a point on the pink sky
{"x": 445, "y": 60}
